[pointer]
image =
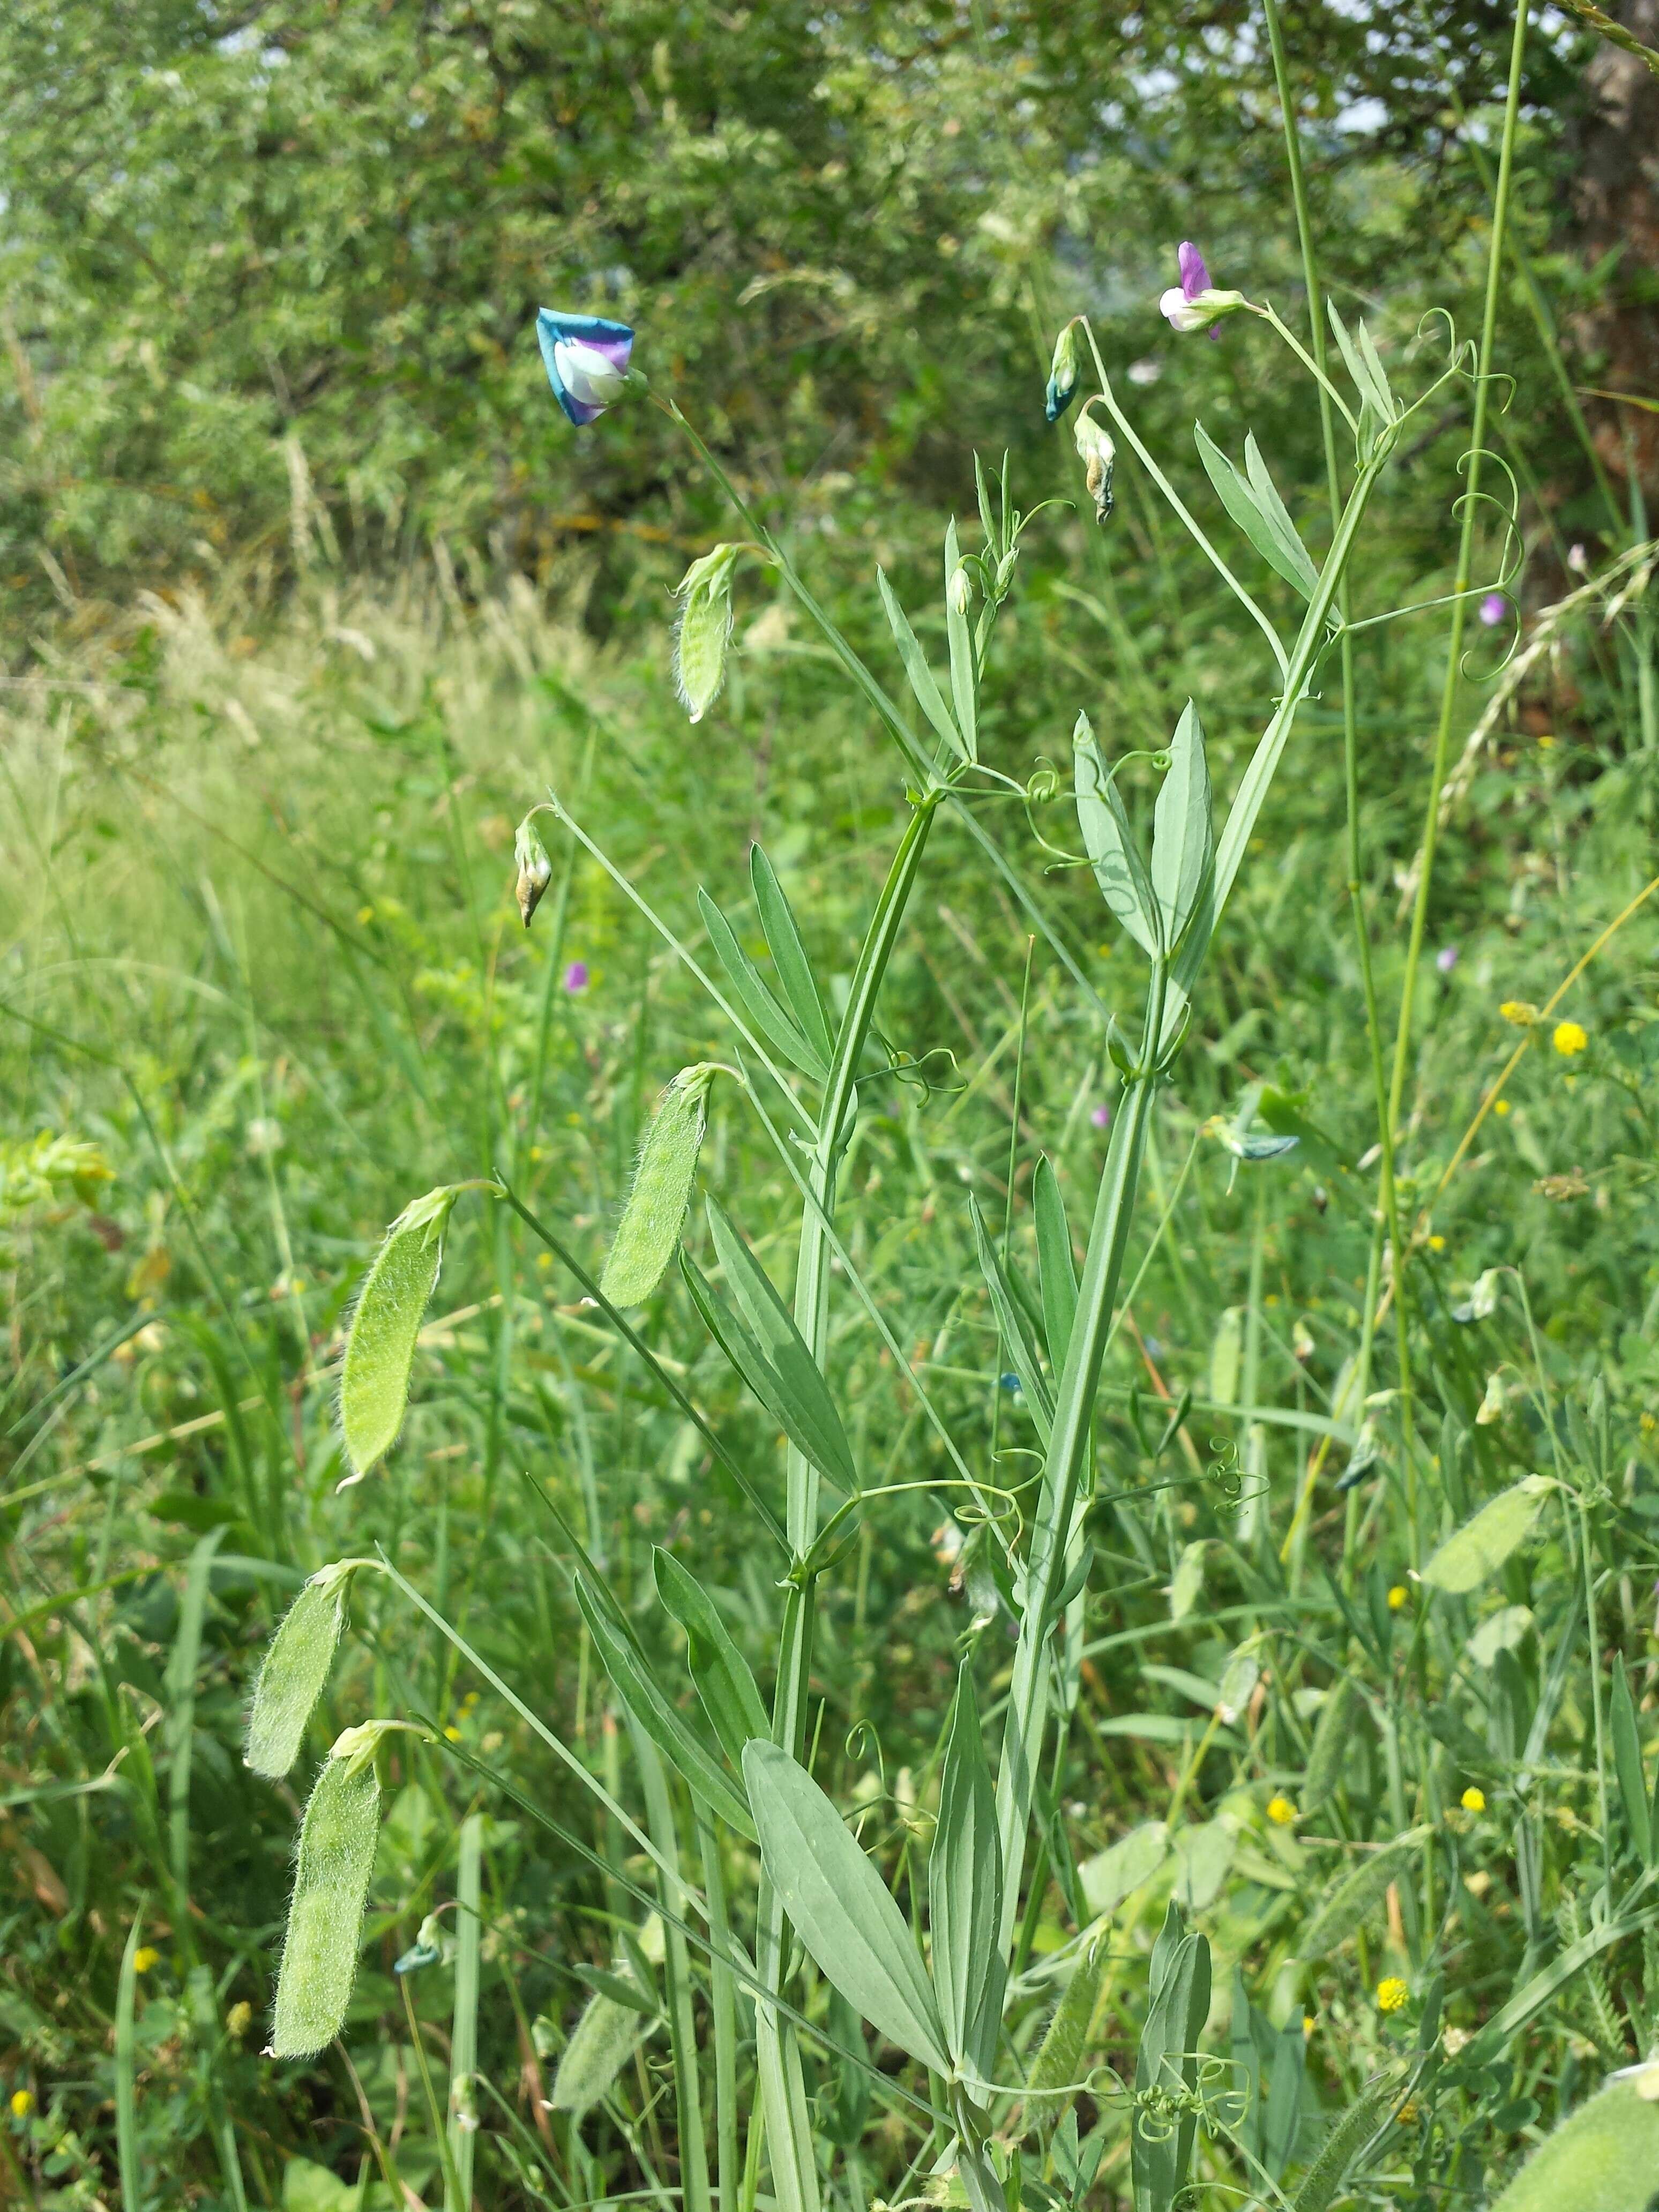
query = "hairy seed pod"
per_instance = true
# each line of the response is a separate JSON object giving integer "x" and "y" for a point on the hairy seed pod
{"x": 650, "y": 1227}
{"x": 604, "y": 2040}
{"x": 380, "y": 1348}
{"x": 1362, "y": 2120}
{"x": 704, "y": 630}
{"x": 1049, "y": 2090}
{"x": 295, "y": 1668}
{"x": 1356, "y": 1896}
{"x": 1333, "y": 1741}
{"x": 1604, "y": 2158}
{"x": 332, "y": 1872}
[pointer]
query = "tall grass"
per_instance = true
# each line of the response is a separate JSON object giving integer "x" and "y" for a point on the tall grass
{"x": 1210, "y": 1746}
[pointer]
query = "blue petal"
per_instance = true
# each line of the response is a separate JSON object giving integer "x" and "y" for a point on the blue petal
{"x": 587, "y": 330}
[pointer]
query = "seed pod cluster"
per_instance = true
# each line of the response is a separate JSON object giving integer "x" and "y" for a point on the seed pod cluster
{"x": 650, "y": 1227}
{"x": 380, "y": 1350}
{"x": 295, "y": 1668}
{"x": 335, "y": 1860}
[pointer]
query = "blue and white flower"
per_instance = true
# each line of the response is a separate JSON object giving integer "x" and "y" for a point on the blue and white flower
{"x": 586, "y": 360}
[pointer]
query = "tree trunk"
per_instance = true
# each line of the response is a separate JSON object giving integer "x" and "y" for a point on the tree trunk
{"x": 1615, "y": 207}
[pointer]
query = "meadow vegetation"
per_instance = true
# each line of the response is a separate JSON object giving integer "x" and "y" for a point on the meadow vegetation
{"x": 1058, "y": 1608}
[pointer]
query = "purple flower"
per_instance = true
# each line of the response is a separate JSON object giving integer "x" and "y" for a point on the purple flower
{"x": 1194, "y": 302}
{"x": 1494, "y": 609}
{"x": 576, "y": 977}
{"x": 586, "y": 360}
{"x": 1102, "y": 1116}
{"x": 1446, "y": 959}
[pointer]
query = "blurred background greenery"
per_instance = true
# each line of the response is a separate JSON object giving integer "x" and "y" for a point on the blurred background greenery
{"x": 311, "y": 591}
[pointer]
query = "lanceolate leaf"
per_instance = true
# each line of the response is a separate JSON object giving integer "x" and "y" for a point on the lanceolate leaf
{"x": 1168, "y": 2059}
{"x": 1016, "y": 1333}
{"x": 1627, "y": 1762}
{"x": 1183, "y": 835}
{"x": 964, "y": 1886}
{"x": 1271, "y": 533}
{"x": 928, "y": 695}
{"x": 780, "y": 1029}
{"x": 789, "y": 956}
{"x": 841, "y": 1908}
{"x": 1109, "y": 843}
{"x": 1056, "y": 1271}
{"x": 718, "y": 1668}
{"x": 757, "y": 1335}
{"x": 1276, "y": 514}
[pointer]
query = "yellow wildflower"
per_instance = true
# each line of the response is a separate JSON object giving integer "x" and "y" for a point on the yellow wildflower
{"x": 1569, "y": 1039}
{"x": 1436, "y": 1242}
{"x": 22, "y": 2104}
{"x": 1500, "y": 1106}
{"x": 1473, "y": 1800}
{"x": 1280, "y": 1811}
{"x": 453, "y": 1733}
{"x": 1521, "y": 1013}
{"x": 1398, "y": 1597}
{"x": 144, "y": 1958}
{"x": 1391, "y": 1993}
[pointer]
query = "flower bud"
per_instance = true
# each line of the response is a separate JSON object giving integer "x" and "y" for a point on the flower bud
{"x": 586, "y": 359}
{"x": 1097, "y": 453}
{"x": 960, "y": 590}
{"x": 1062, "y": 374}
{"x": 704, "y": 631}
{"x": 535, "y": 869}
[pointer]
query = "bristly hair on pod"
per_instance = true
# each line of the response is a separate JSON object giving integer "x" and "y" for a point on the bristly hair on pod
{"x": 704, "y": 632}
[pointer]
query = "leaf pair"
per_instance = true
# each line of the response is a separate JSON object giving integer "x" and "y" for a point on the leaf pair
{"x": 794, "y": 1025}
{"x": 1167, "y": 2061}
{"x": 1160, "y": 906}
{"x": 1255, "y": 505}
{"x": 754, "y": 1330}
{"x": 955, "y": 724}
{"x": 846, "y": 1915}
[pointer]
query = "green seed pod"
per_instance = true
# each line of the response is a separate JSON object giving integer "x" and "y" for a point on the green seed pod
{"x": 1605, "y": 2157}
{"x": 380, "y": 1348}
{"x": 1333, "y": 1741}
{"x": 604, "y": 2040}
{"x": 650, "y": 1227}
{"x": 1356, "y": 1896}
{"x": 704, "y": 629}
{"x": 295, "y": 1668}
{"x": 336, "y": 1858}
{"x": 1048, "y": 2087}
{"x": 1374, "y": 2105}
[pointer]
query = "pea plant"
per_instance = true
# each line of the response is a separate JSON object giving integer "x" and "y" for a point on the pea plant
{"x": 818, "y": 1946}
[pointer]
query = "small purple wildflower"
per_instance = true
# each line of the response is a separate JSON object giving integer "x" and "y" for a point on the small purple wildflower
{"x": 1102, "y": 1116}
{"x": 1196, "y": 302}
{"x": 576, "y": 977}
{"x": 1494, "y": 609}
{"x": 1446, "y": 959}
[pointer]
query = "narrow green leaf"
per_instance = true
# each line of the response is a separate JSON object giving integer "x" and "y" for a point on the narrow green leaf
{"x": 1339, "y": 1716}
{"x": 1167, "y": 2058}
{"x": 841, "y": 1908}
{"x": 636, "y": 1684}
{"x": 718, "y": 1668}
{"x": 783, "y": 940}
{"x": 1277, "y": 516}
{"x": 964, "y": 683}
{"x": 1357, "y": 1895}
{"x": 922, "y": 684}
{"x": 1015, "y": 1331}
{"x": 1471, "y": 1554}
{"x": 1372, "y": 386}
{"x": 761, "y": 1340}
{"x": 1183, "y": 834}
{"x": 1056, "y": 1270}
{"x": 1627, "y": 1762}
{"x": 1109, "y": 842}
{"x": 964, "y": 1888}
{"x": 779, "y": 1028}
{"x": 1243, "y": 504}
